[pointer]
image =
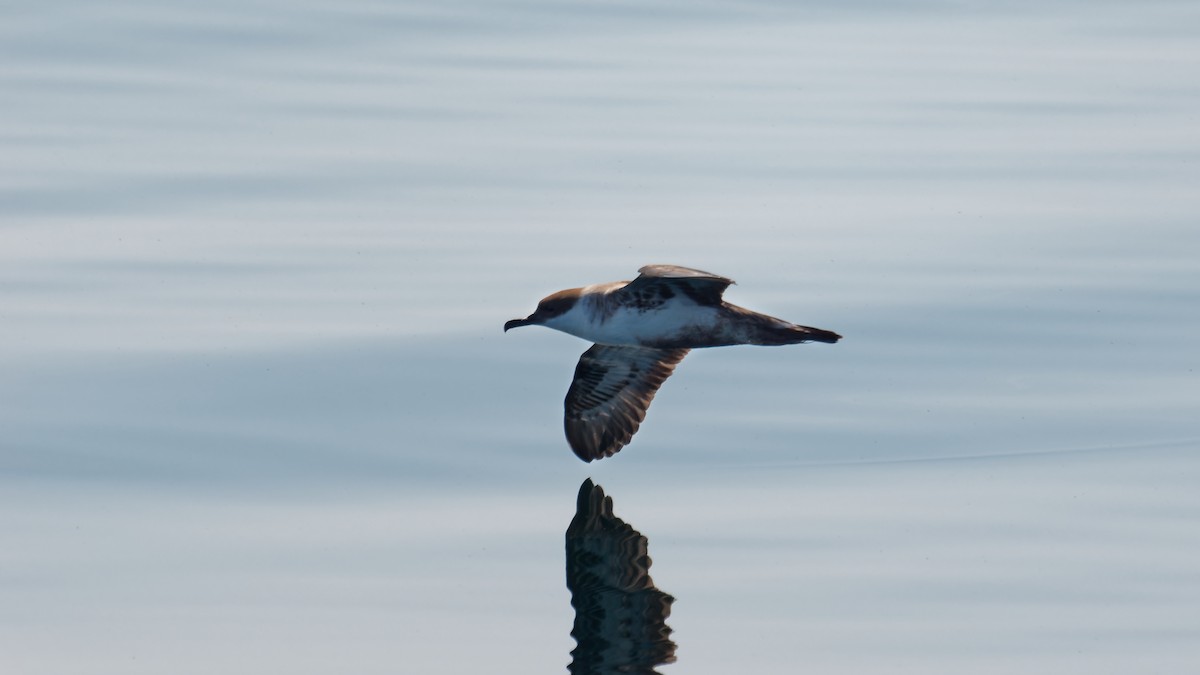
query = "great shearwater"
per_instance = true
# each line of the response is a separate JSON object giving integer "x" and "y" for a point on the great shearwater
{"x": 642, "y": 329}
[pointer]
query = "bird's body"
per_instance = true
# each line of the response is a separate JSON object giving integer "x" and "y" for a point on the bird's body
{"x": 605, "y": 316}
{"x": 641, "y": 330}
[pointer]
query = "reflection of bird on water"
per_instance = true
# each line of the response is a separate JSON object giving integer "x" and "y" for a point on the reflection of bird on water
{"x": 620, "y": 617}
{"x": 642, "y": 330}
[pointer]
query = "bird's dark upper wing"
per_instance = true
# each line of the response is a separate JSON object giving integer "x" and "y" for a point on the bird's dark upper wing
{"x": 663, "y": 282}
{"x": 608, "y": 398}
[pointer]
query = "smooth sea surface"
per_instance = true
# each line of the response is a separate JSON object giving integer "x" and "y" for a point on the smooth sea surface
{"x": 257, "y": 413}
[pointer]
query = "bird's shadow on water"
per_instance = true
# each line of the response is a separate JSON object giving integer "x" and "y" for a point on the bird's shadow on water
{"x": 620, "y": 616}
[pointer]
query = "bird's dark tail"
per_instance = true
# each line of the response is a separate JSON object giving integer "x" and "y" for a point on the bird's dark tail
{"x": 789, "y": 334}
{"x": 759, "y": 329}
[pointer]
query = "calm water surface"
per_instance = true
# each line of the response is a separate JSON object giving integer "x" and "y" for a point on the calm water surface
{"x": 258, "y": 414}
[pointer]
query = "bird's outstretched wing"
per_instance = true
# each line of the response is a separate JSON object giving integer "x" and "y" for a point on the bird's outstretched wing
{"x": 608, "y": 398}
{"x": 656, "y": 283}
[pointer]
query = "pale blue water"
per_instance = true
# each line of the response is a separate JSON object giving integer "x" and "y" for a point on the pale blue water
{"x": 257, "y": 413}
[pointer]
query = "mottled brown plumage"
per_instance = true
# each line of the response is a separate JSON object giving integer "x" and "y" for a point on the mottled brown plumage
{"x": 608, "y": 398}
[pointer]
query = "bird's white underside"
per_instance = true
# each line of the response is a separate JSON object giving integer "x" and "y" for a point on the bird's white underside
{"x": 628, "y": 325}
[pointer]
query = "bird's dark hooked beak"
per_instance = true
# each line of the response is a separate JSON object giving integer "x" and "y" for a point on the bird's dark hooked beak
{"x": 516, "y": 323}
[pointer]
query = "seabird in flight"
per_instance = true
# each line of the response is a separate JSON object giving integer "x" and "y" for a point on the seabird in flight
{"x": 642, "y": 329}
